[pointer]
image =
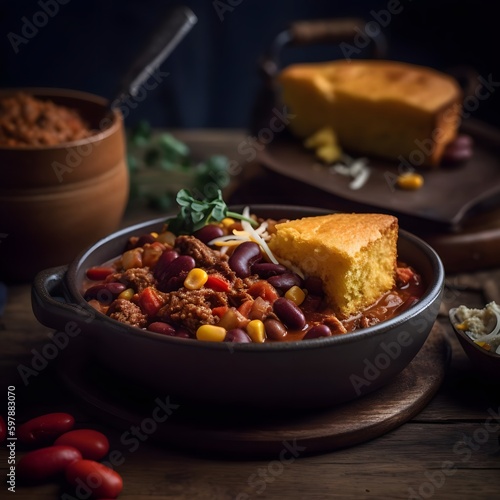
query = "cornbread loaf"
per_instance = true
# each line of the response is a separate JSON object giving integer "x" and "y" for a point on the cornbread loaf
{"x": 382, "y": 108}
{"x": 355, "y": 255}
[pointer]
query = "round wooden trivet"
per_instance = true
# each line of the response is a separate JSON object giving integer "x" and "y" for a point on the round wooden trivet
{"x": 250, "y": 433}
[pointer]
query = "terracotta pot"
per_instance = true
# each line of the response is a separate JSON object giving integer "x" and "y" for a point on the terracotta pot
{"x": 56, "y": 200}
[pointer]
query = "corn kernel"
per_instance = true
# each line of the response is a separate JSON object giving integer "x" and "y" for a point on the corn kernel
{"x": 329, "y": 154}
{"x": 127, "y": 294}
{"x": 256, "y": 331}
{"x": 325, "y": 143}
{"x": 226, "y": 222}
{"x": 484, "y": 345}
{"x": 154, "y": 234}
{"x": 295, "y": 294}
{"x": 461, "y": 326}
{"x": 211, "y": 333}
{"x": 195, "y": 279}
{"x": 410, "y": 181}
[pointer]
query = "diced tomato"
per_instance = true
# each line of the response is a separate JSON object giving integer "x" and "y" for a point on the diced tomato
{"x": 219, "y": 311}
{"x": 217, "y": 283}
{"x": 263, "y": 289}
{"x": 99, "y": 273}
{"x": 245, "y": 308}
{"x": 150, "y": 301}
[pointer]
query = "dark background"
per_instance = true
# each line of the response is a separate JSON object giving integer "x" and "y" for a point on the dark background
{"x": 213, "y": 79}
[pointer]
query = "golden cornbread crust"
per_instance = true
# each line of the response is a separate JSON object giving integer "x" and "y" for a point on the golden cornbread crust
{"x": 382, "y": 108}
{"x": 355, "y": 255}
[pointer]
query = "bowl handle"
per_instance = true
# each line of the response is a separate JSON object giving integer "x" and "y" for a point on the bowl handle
{"x": 51, "y": 303}
{"x": 321, "y": 31}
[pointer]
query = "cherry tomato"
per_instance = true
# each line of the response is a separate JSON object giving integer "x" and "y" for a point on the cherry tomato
{"x": 100, "y": 481}
{"x": 46, "y": 463}
{"x": 45, "y": 428}
{"x": 3, "y": 430}
{"x": 93, "y": 445}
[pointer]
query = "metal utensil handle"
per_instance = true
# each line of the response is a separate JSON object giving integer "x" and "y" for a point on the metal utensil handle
{"x": 160, "y": 45}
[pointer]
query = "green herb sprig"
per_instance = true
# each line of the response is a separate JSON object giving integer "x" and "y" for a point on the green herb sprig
{"x": 160, "y": 165}
{"x": 194, "y": 214}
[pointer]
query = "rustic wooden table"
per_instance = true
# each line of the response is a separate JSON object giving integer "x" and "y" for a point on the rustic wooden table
{"x": 451, "y": 449}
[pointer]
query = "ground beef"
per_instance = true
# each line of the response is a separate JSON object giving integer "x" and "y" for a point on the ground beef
{"x": 127, "y": 312}
{"x": 203, "y": 255}
{"x": 28, "y": 121}
{"x": 137, "y": 278}
{"x": 192, "y": 308}
{"x": 222, "y": 267}
{"x": 212, "y": 261}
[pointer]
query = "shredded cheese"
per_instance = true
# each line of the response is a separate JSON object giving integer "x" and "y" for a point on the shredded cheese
{"x": 481, "y": 325}
{"x": 248, "y": 234}
{"x": 357, "y": 169}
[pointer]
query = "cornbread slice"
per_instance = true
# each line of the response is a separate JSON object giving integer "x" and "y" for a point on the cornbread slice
{"x": 382, "y": 108}
{"x": 353, "y": 254}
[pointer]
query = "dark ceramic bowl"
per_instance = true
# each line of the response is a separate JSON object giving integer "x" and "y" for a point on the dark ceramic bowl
{"x": 485, "y": 362}
{"x": 303, "y": 374}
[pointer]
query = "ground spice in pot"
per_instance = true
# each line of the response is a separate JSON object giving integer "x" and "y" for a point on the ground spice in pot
{"x": 26, "y": 120}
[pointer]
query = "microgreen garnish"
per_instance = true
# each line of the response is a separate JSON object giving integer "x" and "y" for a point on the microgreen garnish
{"x": 195, "y": 214}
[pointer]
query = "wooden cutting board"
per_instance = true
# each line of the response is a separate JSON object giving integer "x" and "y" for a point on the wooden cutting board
{"x": 247, "y": 433}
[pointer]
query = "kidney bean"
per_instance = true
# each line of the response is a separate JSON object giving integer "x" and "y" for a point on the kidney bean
{"x": 161, "y": 327}
{"x": 175, "y": 273}
{"x": 237, "y": 335}
{"x": 289, "y": 313}
{"x": 208, "y": 233}
{"x": 145, "y": 238}
{"x": 317, "y": 331}
{"x": 93, "y": 445}
{"x": 96, "y": 478}
{"x": 45, "y": 428}
{"x": 285, "y": 281}
{"x": 243, "y": 257}
{"x": 463, "y": 140}
{"x": 275, "y": 329}
{"x": 183, "y": 333}
{"x": 314, "y": 285}
{"x": 98, "y": 273}
{"x": 45, "y": 463}
{"x": 268, "y": 269}
{"x": 163, "y": 262}
{"x": 459, "y": 150}
{"x": 104, "y": 292}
